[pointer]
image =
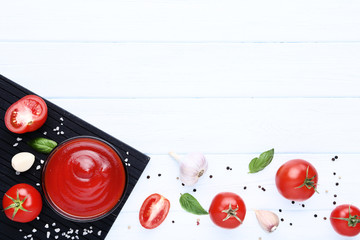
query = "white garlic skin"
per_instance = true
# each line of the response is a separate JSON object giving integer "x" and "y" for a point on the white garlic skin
{"x": 22, "y": 161}
{"x": 269, "y": 221}
{"x": 192, "y": 168}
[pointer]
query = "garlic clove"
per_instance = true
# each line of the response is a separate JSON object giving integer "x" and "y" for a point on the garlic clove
{"x": 192, "y": 167}
{"x": 269, "y": 221}
{"x": 23, "y": 161}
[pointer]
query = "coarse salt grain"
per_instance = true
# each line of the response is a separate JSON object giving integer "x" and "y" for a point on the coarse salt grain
{"x": 127, "y": 153}
{"x": 48, "y": 234}
{"x": 17, "y": 173}
{"x": 42, "y": 161}
{"x": 38, "y": 218}
{"x": 38, "y": 167}
{"x": 45, "y": 133}
{"x": 99, "y": 233}
{"x": 126, "y": 160}
{"x": 61, "y": 119}
{"x": 57, "y": 230}
{"x": 62, "y": 132}
{"x": 56, "y": 237}
{"x": 46, "y": 225}
{"x": 54, "y": 224}
{"x": 38, "y": 184}
{"x": 18, "y": 139}
{"x": 15, "y": 144}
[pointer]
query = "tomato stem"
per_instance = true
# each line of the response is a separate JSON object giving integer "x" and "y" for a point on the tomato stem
{"x": 17, "y": 204}
{"x": 231, "y": 213}
{"x": 352, "y": 219}
{"x": 309, "y": 182}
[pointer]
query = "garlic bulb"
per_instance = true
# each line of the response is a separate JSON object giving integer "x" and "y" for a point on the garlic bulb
{"x": 23, "y": 161}
{"x": 192, "y": 167}
{"x": 269, "y": 221}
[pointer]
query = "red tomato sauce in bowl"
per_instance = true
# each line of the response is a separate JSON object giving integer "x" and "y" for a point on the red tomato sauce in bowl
{"x": 84, "y": 179}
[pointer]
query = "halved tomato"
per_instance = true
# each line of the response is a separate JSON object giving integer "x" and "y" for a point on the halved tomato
{"x": 26, "y": 115}
{"x": 154, "y": 211}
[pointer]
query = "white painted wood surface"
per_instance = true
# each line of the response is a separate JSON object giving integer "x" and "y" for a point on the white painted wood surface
{"x": 228, "y": 78}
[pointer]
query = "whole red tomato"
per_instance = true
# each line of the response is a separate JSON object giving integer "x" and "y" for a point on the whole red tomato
{"x": 227, "y": 210}
{"x": 345, "y": 219}
{"x": 297, "y": 180}
{"x": 26, "y": 115}
{"x": 154, "y": 211}
{"x": 22, "y": 203}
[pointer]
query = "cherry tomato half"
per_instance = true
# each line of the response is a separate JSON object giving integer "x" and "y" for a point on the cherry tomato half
{"x": 227, "y": 210}
{"x": 26, "y": 115}
{"x": 22, "y": 203}
{"x": 345, "y": 219}
{"x": 154, "y": 211}
{"x": 297, "y": 180}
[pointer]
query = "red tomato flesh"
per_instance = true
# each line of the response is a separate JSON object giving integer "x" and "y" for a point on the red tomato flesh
{"x": 84, "y": 178}
{"x": 22, "y": 203}
{"x": 154, "y": 211}
{"x": 345, "y": 219}
{"x": 26, "y": 115}
{"x": 296, "y": 180}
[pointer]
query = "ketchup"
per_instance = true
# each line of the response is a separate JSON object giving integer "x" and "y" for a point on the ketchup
{"x": 84, "y": 178}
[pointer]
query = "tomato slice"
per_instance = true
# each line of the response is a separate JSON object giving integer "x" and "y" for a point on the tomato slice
{"x": 154, "y": 211}
{"x": 26, "y": 115}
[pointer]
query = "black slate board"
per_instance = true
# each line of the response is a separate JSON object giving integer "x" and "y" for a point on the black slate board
{"x": 49, "y": 222}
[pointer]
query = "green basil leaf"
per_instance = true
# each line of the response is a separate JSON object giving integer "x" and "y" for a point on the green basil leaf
{"x": 191, "y": 205}
{"x": 258, "y": 164}
{"x": 42, "y": 145}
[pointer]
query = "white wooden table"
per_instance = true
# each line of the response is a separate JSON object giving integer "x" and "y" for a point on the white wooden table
{"x": 228, "y": 78}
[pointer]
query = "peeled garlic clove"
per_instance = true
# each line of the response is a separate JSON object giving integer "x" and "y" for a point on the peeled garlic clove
{"x": 192, "y": 167}
{"x": 23, "y": 161}
{"x": 269, "y": 221}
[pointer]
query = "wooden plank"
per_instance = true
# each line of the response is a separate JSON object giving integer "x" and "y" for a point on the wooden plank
{"x": 9, "y": 93}
{"x": 161, "y": 20}
{"x": 221, "y": 125}
{"x": 184, "y": 70}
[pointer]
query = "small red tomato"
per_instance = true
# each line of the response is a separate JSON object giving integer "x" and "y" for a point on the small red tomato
{"x": 297, "y": 180}
{"x": 227, "y": 210}
{"x": 22, "y": 203}
{"x": 154, "y": 211}
{"x": 26, "y": 115}
{"x": 345, "y": 219}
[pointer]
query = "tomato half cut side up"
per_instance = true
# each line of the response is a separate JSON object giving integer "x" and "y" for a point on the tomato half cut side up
{"x": 154, "y": 211}
{"x": 26, "y": 115}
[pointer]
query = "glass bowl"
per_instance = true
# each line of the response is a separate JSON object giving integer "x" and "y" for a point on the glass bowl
{"x": 84, "y": 179}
